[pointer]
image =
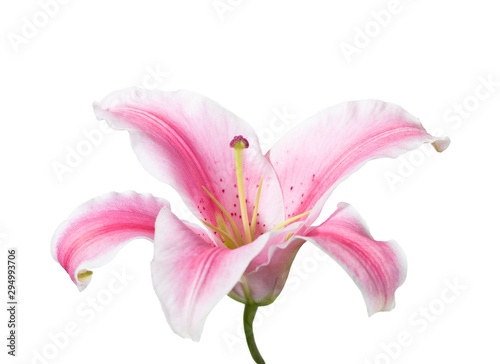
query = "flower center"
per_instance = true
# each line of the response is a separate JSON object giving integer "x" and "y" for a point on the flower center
{"x": 232, "y": 238}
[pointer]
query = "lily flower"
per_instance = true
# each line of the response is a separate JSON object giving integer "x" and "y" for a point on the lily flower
{"x": 257, "y": 210}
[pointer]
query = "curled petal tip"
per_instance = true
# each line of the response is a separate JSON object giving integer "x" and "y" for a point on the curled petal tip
{"x": 83, "y": 279}
{"x": 84, "y": 274}
{"x": 99, "y": 111}
{"x": 96, "y": 105}
{"x": 373, "y": 310}
{"x": 441, "y": 144}
{"x": 94, "y": 233}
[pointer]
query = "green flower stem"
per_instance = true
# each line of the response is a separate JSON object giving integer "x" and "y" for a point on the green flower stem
{"x": 248, "y": 317}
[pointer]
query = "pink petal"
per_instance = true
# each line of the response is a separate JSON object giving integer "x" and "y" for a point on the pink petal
{"x": 95, "y": 232}
{"x": 183, "y": 139}
{"x": 377, "y": 267}
{"x": 318, "y": 154}
{"x": 267, "y": 273}
{"x": 190, "y": 275}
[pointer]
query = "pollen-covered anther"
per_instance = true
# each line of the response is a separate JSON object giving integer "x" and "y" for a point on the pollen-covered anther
{"x": 239, "y": 142}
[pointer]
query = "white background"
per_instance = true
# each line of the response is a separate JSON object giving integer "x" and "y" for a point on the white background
{"x": 258, "y": 57}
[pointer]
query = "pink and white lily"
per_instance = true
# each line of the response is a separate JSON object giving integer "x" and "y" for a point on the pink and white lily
{"x": 257, "y": 210}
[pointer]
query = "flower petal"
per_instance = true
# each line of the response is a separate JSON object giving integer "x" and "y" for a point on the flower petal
{"x": 190, "y": 275}
{"x": 267, "y": 274}
{"x": 95, "y": 232}
{"x": 377, "y": 267}
{"x": 183, "y": 138}
{"x": 319, "y": 153}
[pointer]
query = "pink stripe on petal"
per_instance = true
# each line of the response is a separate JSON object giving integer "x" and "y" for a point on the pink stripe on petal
{"x": 183, "y": 139}
{"x": 190, "y": 275}
{"x": 377, "y": 267}
{"x": 98, "y": 229}
{"x": 319, "y": 153}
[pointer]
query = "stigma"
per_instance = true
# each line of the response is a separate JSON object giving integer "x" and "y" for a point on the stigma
{"x": 239, "y": 142}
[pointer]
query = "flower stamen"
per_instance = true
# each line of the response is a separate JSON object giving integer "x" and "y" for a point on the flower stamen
{"x": 228, "y": 240}
{"x": 221, "y": 224}
{"x": 289, "y": 221}
{"x": 236, "y": 232}
{"x": 256, "y": 210}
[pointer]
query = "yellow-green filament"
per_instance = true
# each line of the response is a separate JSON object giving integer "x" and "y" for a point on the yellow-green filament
{"x": 84, "y": 274}
{"x": 228, "y": 217}
{"x": 238, "y": 157}
{"x": 220, "y": 222}
{"x": 222, "y": 225}
{"x": 256, "y": 210}
{"x": 228, "y": 240}
{"x": 284, "y": 223}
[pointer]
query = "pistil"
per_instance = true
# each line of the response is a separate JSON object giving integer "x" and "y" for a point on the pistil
{"x": 238, "y": 144}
